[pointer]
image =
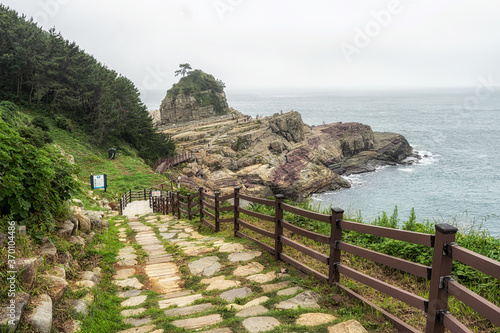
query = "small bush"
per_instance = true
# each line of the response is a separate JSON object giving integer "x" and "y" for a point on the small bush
{"x": 41, "y": 123}
{"x": 63, "y": 123}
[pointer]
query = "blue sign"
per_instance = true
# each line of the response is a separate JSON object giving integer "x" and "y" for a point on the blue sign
{"x": 99, "y": 181}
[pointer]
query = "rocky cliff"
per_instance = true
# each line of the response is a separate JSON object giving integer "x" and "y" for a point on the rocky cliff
{"x": 281, "y": 154}
{"x": 196, "y": 96}
{"x": 183, "y": 108}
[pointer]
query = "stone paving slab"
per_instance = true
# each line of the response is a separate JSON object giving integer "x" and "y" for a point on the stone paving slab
{"x": 179, "y": 301}
{"x": 132, "y": 312}
{"x": 199, "y": 322}
{"x": 188, "y": 310}
{"x": 274, "y": 286}
{"x": 219, "y": 330}
{"x": 134, "y": 301}
{"x": 124, "y": 273}
{"x": 177, "y": 294}
{"x": 260, "y": 324}
{"x": 289, "y": 291}
{"x": 231, "y": 247}
{"x": 250, "y": 304}
{"x": 350, "y": 326}
{"x": 206, "y": 266}
{"x": 307, "y": 299}
{"x": 244, "y": 256}
{"x": 252, "y": 311}
{"x": 314, "y": 319}
{"x": 130, "y": 282}
{"x": 138, "y": 321}
{"x": 129, "y": 293}
{"x": 143, "y": 329}
{"x": 262, "y": 278}
{"x": 249, "y": 269}
{"x": 232, "y": 294}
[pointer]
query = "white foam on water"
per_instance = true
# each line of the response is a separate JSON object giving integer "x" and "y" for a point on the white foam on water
{"x": 406, "y": 169}
{"x": 426, "y": 158}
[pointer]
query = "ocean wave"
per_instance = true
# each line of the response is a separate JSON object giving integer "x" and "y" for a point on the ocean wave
{"x": 422, "y": 157}
{"x": 406, "y": 169}
{"x": 354, "y": 180}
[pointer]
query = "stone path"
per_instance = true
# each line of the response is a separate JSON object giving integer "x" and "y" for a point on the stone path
{"x": 188, "y": 310}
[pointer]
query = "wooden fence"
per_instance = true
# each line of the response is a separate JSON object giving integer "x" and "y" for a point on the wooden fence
{"x": 445, "y": 251}
{"x": 130, "y": 196}
{"x": 174, "y": 203}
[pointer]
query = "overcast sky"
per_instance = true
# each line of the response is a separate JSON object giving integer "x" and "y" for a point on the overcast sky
{"x": 317, "y": 44}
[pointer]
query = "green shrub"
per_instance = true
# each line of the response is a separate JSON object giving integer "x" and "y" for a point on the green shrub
{"x": 35, "y": 135}
{"x": 41, "y": 123}
{"x": 35, "y": 183}
{"x": 9, "y": 112}
{"x": 62, "y": 123}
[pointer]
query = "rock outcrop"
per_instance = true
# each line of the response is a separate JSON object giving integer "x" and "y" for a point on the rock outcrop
{"x": 183, "y": 108}
{"x": 281, "y": 154}
{"x": 196, "y": 96}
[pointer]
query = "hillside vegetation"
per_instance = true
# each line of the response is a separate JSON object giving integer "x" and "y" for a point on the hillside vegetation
{"x": 42, "y": 70}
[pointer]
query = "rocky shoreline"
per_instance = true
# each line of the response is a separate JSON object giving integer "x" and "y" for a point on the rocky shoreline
{"x": 281, "y": 154}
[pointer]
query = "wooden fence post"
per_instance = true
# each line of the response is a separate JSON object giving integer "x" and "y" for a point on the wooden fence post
{"x": 236, "y": 212}
{"x": 278, "y": 228}
{"x": 441, "y": 271}
{"x": 335, "y": 239}
{"x": 178, "y": 205}
{"x": 144, "y": 194}
{"x": 216, "y": 204}
{"x": 121, "y": 206}
{"x": 200, "y": 190}
{"x": 130, "y": 195}
{"x": 189, "y": 206}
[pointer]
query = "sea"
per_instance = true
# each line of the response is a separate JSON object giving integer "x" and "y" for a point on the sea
{"x": 456, "y": 132}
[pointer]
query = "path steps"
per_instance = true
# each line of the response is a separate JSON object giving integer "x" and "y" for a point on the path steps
{"x": 163, "y": 276}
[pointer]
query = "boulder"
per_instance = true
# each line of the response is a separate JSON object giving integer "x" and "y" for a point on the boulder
{"x": 350, "y": 326}
{"x": 66, "y": 229}
{"x": 41, "y": 318}
{"x": 77, "y": 240}
{"x": 80, "y": 306}
{"x": 77, "y": 202}
{"x": 94, "y": 217}
{"x": 10, "y": 314}
{"x": 56, "y": 287}
{"x": 49, "y": 251}
{"x": 58, "y": 271}
{"x": 29, "y": 267}
{"x": 83, "y": 222}
{"x": 90, "y": 276}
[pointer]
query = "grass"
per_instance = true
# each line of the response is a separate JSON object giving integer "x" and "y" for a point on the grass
{"x": 476, "y": 240}
{"x": 125, "y": 172}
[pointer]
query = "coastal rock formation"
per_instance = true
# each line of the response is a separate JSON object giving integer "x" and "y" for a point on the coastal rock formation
{"x": 196, "y": 96}
{"x": 184, "y": 108}
{"x": 281, "y": 154}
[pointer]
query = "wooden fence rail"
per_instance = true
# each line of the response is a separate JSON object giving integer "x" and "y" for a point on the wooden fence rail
{"x": 164, "y": 202}
{"x": 439, "y": 274}
{"x": 163, "y": 164}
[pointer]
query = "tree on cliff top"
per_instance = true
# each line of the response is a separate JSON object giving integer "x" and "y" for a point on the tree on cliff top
{"x": 185, "y": 68}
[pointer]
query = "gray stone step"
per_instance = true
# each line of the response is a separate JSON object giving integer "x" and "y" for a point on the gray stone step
{"x": 199, "y": 322}
{"x": 179, "y": 301}
{"x": 188, "y": 310}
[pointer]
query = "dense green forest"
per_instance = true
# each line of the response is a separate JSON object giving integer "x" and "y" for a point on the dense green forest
{"x": 41, "y": 70}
